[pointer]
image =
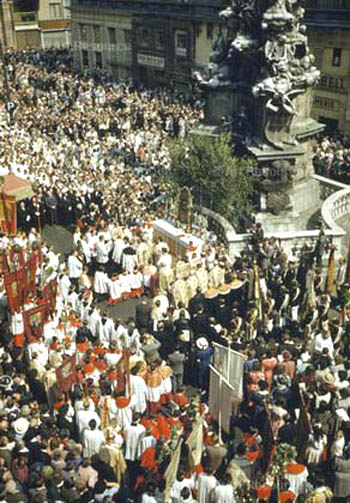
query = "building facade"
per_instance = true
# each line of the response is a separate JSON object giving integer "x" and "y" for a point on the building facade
{"x": 102, "y": 40}
{"x": 54, "y": 23}
{"x": 43, "y": 24}
{"x": 328, "y": 24}
{"x": 157, "y": 43}
{"x": 7, "y": 27}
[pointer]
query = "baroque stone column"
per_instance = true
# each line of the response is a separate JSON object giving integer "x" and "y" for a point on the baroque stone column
{"x": 260, "y": 87}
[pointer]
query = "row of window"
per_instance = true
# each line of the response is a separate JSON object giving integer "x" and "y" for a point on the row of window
{"x": 146, "y": 38}
{"x": 97, "y": 35}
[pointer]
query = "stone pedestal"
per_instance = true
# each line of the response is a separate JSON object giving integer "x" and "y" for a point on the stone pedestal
{"x": 305, "y": 200}
{"x": 220, "y": 103}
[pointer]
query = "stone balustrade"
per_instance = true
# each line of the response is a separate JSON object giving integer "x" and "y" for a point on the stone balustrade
{"x": 336, "y": 205}
{"x": 292, "y": 242}
{"x": 328, "y": 186}
{"x": 218, "y": 224}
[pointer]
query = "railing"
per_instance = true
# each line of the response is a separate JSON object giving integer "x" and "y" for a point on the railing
{"x": 293, "y": 242}
{"x": 328, "y": 186}
{"x": 218, "y": 224}
{"x": 336, "y": 207}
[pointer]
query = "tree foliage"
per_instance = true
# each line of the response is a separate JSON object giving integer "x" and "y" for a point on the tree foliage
{"x": 218, "y": 179}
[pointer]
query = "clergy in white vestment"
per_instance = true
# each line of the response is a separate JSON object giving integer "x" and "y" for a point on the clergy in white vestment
{"x": 146, "y": 441}
{"x": 102, "y": 251}
{"x": 129, "y": 258}
{"x": 205, "y": 484}
{"x": 119, "y": 245}
{"x": 138, "y": 390}
{"x": 223, "y": 493}
{"x": 75, "y": 266}
{"x": 41, "y": 350}
{"x": 64, "y": 285}
{"x": 93, "y": 438}
{"x": 122, "y": 409}
{"x": 132, "y": 434}
{"x": 107, "y": 331}
{"x": 101, "y": 282}
{"x": 84, "y": 416}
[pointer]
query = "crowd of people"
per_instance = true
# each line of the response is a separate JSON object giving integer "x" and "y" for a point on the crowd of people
{"x": 136, "y": 425}
{"x": 332, "y": 157}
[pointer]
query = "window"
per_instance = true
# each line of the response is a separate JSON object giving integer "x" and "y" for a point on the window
{"x": 55, "y": 10}
{"x": 112, "y": 36}
{"x": 181, "y": 43}
{"x": 97, "y": 34}
{"x": 143, "y": 37}
{"x": 85, "y": 58}
{"x": 98, "y": 57}
{"x": 209, "y": 30}
{"x": 159, "y": 40}
{"x": 28, "y": 18}
{"x": 83, "y": 32}
{"x": 336, "y": 58}
{"x": 128, "y": 37}
{"x": 66, "y": 8}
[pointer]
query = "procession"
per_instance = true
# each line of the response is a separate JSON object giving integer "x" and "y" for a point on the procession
{"x": 102, "y": 407}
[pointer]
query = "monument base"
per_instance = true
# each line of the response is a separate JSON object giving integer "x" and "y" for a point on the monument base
{"x": 304, "y": 203}
{"x": 220, "y": 103}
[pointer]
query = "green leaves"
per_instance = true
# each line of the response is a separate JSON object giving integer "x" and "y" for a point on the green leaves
{"x": 218, "y": 179}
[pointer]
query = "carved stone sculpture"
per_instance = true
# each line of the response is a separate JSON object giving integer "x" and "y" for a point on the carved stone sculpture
{"x": 264, "y": 53}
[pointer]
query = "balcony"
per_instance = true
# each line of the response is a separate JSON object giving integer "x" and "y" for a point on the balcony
{"x": 25, "y": 18}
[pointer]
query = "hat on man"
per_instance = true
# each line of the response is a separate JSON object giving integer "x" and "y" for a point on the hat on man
{"x": 21, "y": 426}
{"x": 202, "y": 343}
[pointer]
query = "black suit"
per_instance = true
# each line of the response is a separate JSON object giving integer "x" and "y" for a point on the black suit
{"x": 143, "y": 314}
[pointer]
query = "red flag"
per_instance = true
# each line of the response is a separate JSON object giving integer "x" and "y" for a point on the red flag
{"x": 8, "y": 214}
{"x": 123, "y": 374}
{"x": 66, "y": 374}
{"x": 13, "y": 287}
{"x": 17, "y": 256}
{"x": 50, "y": 293}
{"x": 4, "y": 266}
{"x": 34, "y": 320}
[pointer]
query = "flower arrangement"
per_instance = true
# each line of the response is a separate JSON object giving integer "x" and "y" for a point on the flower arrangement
{"x": 283, "y": 455}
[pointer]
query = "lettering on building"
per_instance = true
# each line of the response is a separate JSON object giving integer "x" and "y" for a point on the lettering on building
{"x": 151, "y": 61}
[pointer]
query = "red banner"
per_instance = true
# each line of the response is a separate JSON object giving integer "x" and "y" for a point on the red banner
{"x": 29, "y": 273}
{"x": 123, "y": 374}
{"x": 14, "y": 292}
{"x": 50, "y": 293}
{"x": 4, "y": 266}
{"x": 17, "y": 257}
{"x": 34, "y": 320}
{"x": 66, "y": 374}
{"x": 8, "y": 214}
